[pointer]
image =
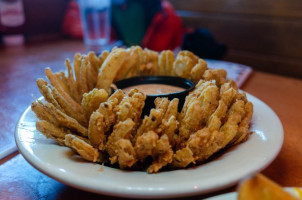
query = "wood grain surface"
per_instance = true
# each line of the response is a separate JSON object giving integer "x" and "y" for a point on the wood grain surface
{"x": 263, "y": 34}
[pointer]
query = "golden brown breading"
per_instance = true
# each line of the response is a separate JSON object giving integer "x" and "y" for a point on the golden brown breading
{"x": 201, "y": 107}
{"x": 234, "y": 116}
{"x": 125, "y": 153}
{"x": 130, "y": 64}
{"x": 200, "y": 146}
{"x": 182, "y": 158}
{"x": 145, "y": 144}
{"x": 191, "y": 121}
{"x": 109, "y": 68}
{"x": 42, "y": 112}
{"x": 162, "y": 154}
{"x": 198, "y": 70}
{"x": 93, "y": 69}
{"x": 131, "y": 107}
{"x": 66, "y": 121}
{"x": 219, "y": 75}
{"x": 91, "y": 101}
{"x": 215, "y": 114}
{"x": 69, "y": 110}
{"x": 204, "y": 143}
{"x": 165, "y": 63}
{"x": 184, "y": 63}
{"x": 122, "y": 130}
{"x": 71, "y": 82}
{"x": 148, "y": 62}
{"x": 151, "y": 122}
{"x": 55, "y": 83}
{"x": 96, "y": 131}
{"x": 85, "y": 150}
{"x": 45, "y": 90}
{"x": 244, "y": 124}
{"x": 52, "y": 131}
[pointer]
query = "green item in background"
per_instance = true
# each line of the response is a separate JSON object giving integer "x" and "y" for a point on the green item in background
{"x": 129, "y": 22}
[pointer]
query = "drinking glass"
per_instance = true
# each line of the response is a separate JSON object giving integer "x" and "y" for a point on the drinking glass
{"x": 96, "y": 22}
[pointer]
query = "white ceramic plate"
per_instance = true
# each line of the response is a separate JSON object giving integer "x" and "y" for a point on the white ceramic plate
{"x": 225, "y": 170}
{"x": 233, "y": 195}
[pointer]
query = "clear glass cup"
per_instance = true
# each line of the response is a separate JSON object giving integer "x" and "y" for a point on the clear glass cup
{"x": 96, "y": 22}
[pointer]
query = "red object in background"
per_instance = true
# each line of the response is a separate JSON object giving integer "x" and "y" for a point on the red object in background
{"x": 165, "y": 31}
{"x": 72, "y": 21}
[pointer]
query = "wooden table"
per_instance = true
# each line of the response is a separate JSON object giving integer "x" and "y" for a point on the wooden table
{"x": 20, "y": 67}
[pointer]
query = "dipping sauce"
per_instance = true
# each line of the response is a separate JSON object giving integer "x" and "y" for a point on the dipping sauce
{"x": 154, "y": 88}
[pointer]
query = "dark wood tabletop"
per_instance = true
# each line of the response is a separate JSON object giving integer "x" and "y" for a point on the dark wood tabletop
{"x": 19, "y": 69}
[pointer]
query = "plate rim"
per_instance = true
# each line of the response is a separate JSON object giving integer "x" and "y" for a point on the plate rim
{"x": 144, "y": 193}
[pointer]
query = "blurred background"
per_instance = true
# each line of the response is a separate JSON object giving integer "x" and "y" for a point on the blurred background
{"x": 266, "y": 35}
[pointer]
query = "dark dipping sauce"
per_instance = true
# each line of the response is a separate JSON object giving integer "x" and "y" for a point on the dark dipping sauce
{"x": 163, "y": 86}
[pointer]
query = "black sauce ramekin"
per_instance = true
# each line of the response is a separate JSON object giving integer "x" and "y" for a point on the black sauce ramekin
{"x": 186, "y": 84}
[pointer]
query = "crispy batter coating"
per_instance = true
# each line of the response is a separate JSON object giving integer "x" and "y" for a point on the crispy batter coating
{"x": 96, "y": 131}
{"x": 45, "y": 90}
{"x": 93, "y": 69}
{"x": 148, "y": 62}
{"x": 71, "y": 82}
{"x": 66, "y": 121}
{"x": 130, "y": 64}
{"x": 91, "y": 101}
{"x": 219, "y": 75}
{"x": 82, "y": 114}
{"x": 109, "y": 68}
{"x": 162, "y": 154}
{"x": 145, "y": 144}
{"x": 165, "y": 63}
{"x": 69, "y": 110}
{"x": 184, "y": 63}
{"x": 42, "y": 112}
{"x": 55, "y": 83}
{"x": 234, "y": 116}
{"x": 126, "y": 154}
{"x": 52, "y": 131}
{"x": 243, "y": 128}
{"x": 198, "y": 70}
{"x": 85, "y": 150}
{"x": 122, "y": 130}
{"x": 169, "y": 124}
{"x": 131, "y": 106}
{"x": 182, "y": 158}
{"x": 151, "y": 122}
{"x": 202, "y": 104}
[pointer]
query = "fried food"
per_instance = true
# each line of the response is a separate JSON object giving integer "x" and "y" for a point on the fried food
{"x": 52, "y": 131}
{"x": 131, "y": 106}
{"x": 66, "y": 121}
{"x": 110, "y": 67}
{"x": 42, "y": 112}
{"x": 82, "y": 112}
{"x": 85, "y": 150}
{"x": 96, "y": 131}
{"x": 162, "y": 154}
{"x": 56, "y": 84}
{"x": 198, "y": 70}
{"x": 91, "y": 101}
{"x": 122, "y": 130}
{"x": 71, "y": 82}
{"x": 184, "y": 63}
{"x": 261, "y": 187}
{"x": 45, "y": 90}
